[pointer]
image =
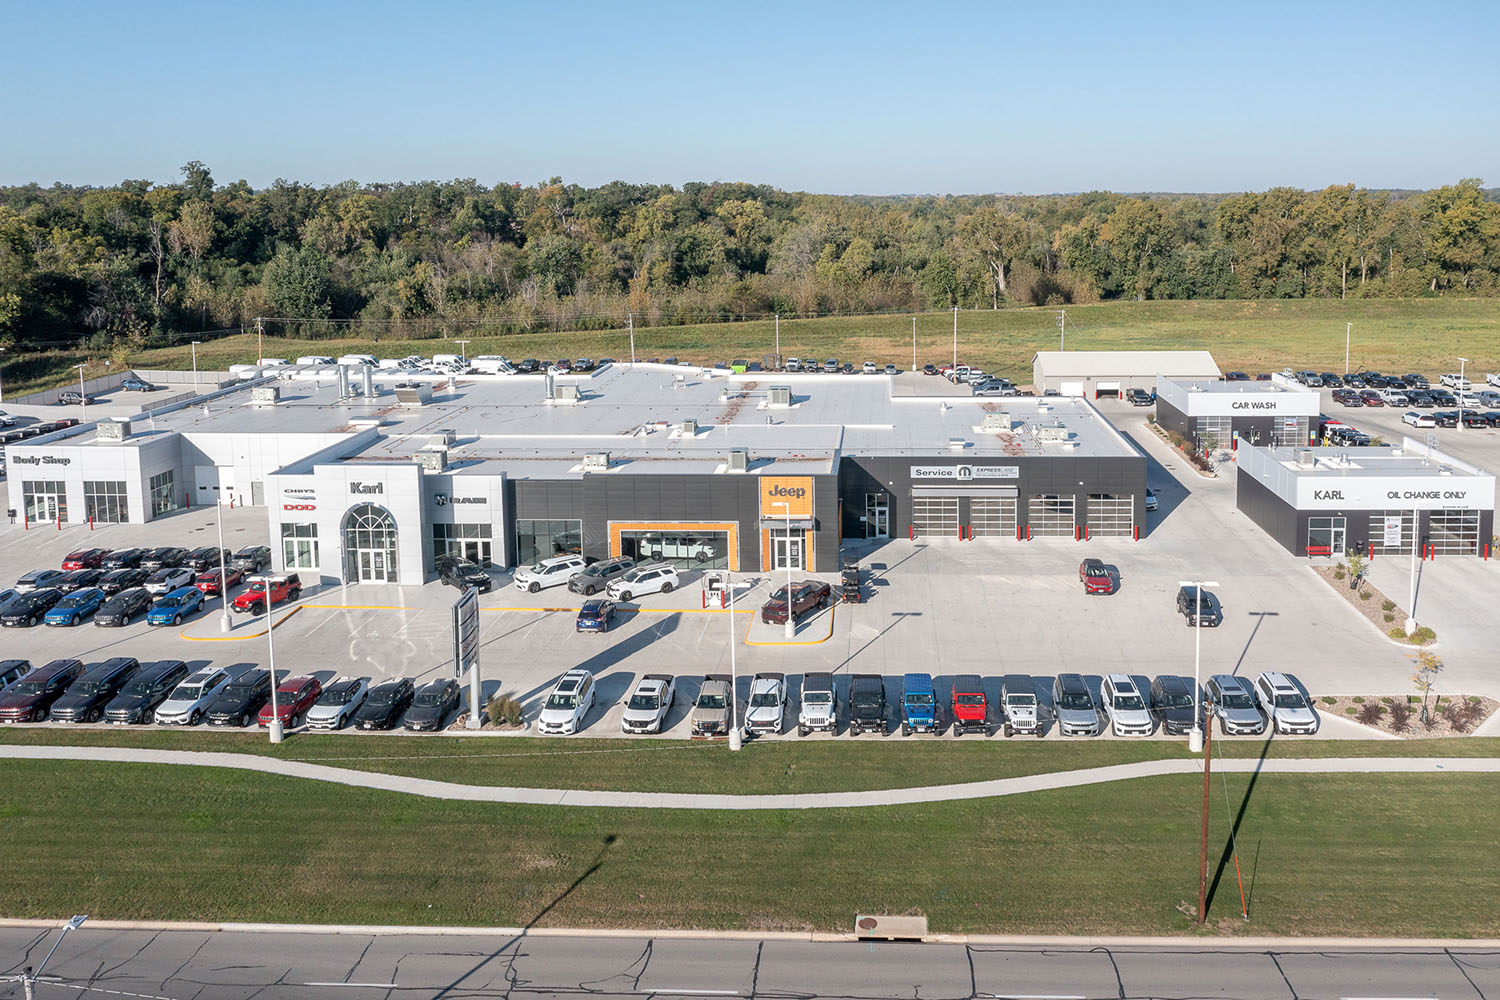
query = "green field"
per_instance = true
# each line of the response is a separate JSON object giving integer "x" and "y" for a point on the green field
{"x": 1358, "y": 855}
{"x": 1396, "y": 335}
{"x": 762, "y": 767}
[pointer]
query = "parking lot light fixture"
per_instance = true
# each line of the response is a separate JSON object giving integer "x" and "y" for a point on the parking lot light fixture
{"x": 791, "y": 624}
{"x": 83, "y": 397}
{"x": 274, "y": 727}
{"x": 194, "y": 346}
{"x": 225, "y": 624}
{"x": 2, "y": 379}
{"x": 1195, "y": 736}
{"x": 29, "y": 976}
{"x": 1461, "y": 391}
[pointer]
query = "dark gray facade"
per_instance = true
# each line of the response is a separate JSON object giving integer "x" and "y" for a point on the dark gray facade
{"x": 1252, "y": 429}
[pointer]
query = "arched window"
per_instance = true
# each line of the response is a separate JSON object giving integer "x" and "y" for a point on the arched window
{"x": 370, "y": 544}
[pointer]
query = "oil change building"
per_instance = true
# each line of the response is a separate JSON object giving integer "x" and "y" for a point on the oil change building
{"x": 1326, "y": 501}
{"x": 1280, "y": 413}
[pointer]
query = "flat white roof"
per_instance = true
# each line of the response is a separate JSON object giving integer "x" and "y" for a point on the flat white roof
{"x": 1127, "y": 364}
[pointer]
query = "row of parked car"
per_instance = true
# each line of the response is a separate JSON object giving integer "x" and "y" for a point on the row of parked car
{"x": 1168, "y": 705}
{"x": 166, "y": 584}
{"x": 124, "y": 691}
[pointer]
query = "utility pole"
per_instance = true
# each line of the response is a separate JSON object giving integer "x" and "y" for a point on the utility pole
{"x": 1062, "y": 329}
{"x": 1463, "y": 387}
{"x": 630, "y": 322}
{"x": 914, "y": 343}
{"x": 1203, "y": 845}
{"x": 260, "y": 351}
{"x": 778, "y": 338}
{"x": 955, "y": 336}
{"x": 1347, "y": 328}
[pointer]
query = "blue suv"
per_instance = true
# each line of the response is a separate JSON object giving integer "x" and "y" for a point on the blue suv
{"x": 918, "y": 705}
{"x": 75, "y": 607}
{"x": 174, "y": 607}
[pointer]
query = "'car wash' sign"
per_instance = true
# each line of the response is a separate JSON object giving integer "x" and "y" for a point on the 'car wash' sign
{"x": 965, "y": 472}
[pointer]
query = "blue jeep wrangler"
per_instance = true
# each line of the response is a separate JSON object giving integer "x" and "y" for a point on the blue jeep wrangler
{"x": 918, "y": 705}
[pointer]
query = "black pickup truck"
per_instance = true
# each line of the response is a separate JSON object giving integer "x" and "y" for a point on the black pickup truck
{"x": 866, "y": 704}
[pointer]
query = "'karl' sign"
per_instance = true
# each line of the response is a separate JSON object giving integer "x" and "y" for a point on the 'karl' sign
{"x": 366, "y": 489}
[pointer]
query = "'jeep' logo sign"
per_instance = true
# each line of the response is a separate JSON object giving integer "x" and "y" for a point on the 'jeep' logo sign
{"x": 786, "y": 496}
{"x": 366, "y": 488}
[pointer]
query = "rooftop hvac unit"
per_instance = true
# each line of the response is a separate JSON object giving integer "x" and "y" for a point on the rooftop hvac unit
{"x": 957, "y": 444}
{"x": 781, "y": 395}
{"x": 739, "y": 460}
{"x": 596, "y": 461}
{"x": 688, "y": 428}
{"x": 1049, "y": 433}
{"x": 1303, "y": 457}
{"x": 995, "y": 422}
{"x": 444, "y": 437}
{"x": 265, "y": 395}
{"x": 414, "y": 395}
{"x": 113, "y": 430}
{"x": 433, "y": 458}
{"x": 567, "y": 394}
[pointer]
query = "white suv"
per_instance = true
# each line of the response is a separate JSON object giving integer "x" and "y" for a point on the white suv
{"x": 1284, "y": 705}
{"x": 1127, "y": 711}
{"x": 164, "y": 581}
{"x": 185, "y": 705}
{"x": 568, "y": 705}
{"x": 552, "y": 572}
{"x": 658, "y": 578}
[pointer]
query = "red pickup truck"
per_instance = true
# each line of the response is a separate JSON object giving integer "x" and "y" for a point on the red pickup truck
{"x": 282, "y": 588}
{"x": 807, "y": 596}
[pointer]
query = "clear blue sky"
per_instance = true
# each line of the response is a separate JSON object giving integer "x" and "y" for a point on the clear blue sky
{"x": 833, "y": 97}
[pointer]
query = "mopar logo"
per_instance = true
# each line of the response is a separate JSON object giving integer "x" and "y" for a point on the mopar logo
{"x": 1328, "y": 494}
{"x": 795, "y": 492}
{"x": 366, "y": 488}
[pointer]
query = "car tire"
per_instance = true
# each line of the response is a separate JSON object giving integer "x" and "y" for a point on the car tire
{"x": 92, "y": 715}
{"x": 801, "y": 731}
{"x": 588, "y": 590}
{"x": 74, "y": 621}
{"x": 827, "y": 601}
{"x": 624, "y": 595}
{"x": 149, "y": 717}
{"x": 31, "y": 622}
{"x": 1223, "y": 728}
{"x": 176, "y": 619}
{"x": 195, "y": 718}
{"x": 533, "y": 587}
{"x": 666, "y": 588}
{"x": 905, "y": 729}
{"x": 293, "y": 595}
{"x": 244, "y": 721}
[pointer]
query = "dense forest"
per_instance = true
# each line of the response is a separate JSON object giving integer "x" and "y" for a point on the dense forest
{"x": 137, "y": 263}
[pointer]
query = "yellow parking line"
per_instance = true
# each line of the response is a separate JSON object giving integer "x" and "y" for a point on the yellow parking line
{"x": 236, "y": 638}
{"x": 791, "y": 642}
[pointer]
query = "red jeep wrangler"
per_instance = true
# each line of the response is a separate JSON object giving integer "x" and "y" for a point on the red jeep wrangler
{"x": 970, "y": 713}
{"x": 282, "y": 588}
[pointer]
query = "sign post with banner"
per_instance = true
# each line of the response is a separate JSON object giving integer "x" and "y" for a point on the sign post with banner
{"x": 466, "y": 648}
{"x": 1391, "y": 531}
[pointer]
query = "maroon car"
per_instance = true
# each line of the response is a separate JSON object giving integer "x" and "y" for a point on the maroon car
{"x": 293, "y": 699}
{"x": 807, "y": 596}
{"x": 85, "y": 559}
{"x": 31, "y": 698}
{"x": 209, "y": 582}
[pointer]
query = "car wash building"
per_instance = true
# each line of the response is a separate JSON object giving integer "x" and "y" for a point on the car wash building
{"x": 1110, "y": 374}
{"x": 1381, "y": 501}
{"x": 1211, "y": 414}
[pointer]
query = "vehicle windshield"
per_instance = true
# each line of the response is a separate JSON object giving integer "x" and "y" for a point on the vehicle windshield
{"x": 1078, "y": 700}
{"x": 73, "y": 600}
{"x": 30, "y": 688}
{"x": 429, "y": 699}
{"x": 539, "y": 567}
{"x": 919, "y": 699}
{"x": 563, "y": 701}
{"x": 90, "y": 688}
{"x": 384, "y": 695}
{"x": 1176, "y": 701}
{"x": 765, "y": 699}
{"x": 238, "y": 690}
{"x": 170, "y": 602}
{"x": 643, "y": 702}
{"x": 779, "y": 594}
{"x": 1290, "y": 701}
{"x": 1234, "y": 699}
{"x": 1020, "y": 699}
{"x": 187, "y": 692}
{"x": 711, "y": 701}
{"x": 596, "y": 569}
{"x": 1129, "y": 703}
{"x": 817, "y": 697}
{"x": 866, "y": 698}
{"x": 142, "y": 687}
{"x": 339, "y": 695}
{"x": 256, "y": 588}
{"x": 968, "y": 699}
{"x": 1097, "y": 571}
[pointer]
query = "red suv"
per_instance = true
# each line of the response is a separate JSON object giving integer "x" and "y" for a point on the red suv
{"x": 282, "y": 588}
{"x": 293, "y": 699}
{"x": 85, "y": 559}
{"x": 30, "y": 698}
{"x": 970, "y": 713}
{"x": 1095, "y": 578}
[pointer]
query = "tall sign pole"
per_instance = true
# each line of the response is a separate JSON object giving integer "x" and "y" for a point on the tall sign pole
{"x": 1203, "y": 845}
{"x": 466, "y": 649}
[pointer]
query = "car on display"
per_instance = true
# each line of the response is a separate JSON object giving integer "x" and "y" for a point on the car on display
{"x": 1073, "y": 704}
{"x": 869, "y": 368}
{"x": 1199, "y": 607}
{"x": 1172, "y": 704}
{"x": 892, "y": 370}
{"x": 1442, "y": 397}
{"x": 553, "y": 572}
{"x": 568, "y": 704}
{"x": 72, "y": 397}
{"x": 969, "y": 706}
{"x": 1095, "y": 577}
{"x": 657, "y": 578}
{"x": 188, "y": 702}
{"x": 831, "y": 366}
{"x": 137, "y": 385}
{"x": 1418, "y": 419}
{"x": 38, "y": 579}
{"x": 168, "y": 579}
{"x": 337, "y": 703}
{"x": 1152, "y": 500}
{"x": 818, "y": 711}
{"x": 240, "y": 701}
{"x": 30, "y": 699}
{"x": 6, "y": 420}
{"x": 1454, "y": 380}
{"x": 529, "y": 366}
{"x": 1475, "y": 419}
{"x": 173, "y": 607}
{"x": 78, "y": 579}
{"x": 26, "y": 609}
{"x": 116, "y": 580}
{"x": 598, "y": 576}
{"x": 294, "y": 696}
{"x": 866, "y": 704}
{"x": 1347, "y": 397}
{"x": 1370, "y": 397}
{"x": 807, "y": 596}
{"x": 1124, "y": 707}
{"x": 12, "y": 671}
{"x": 209, "y": 582}
{"x": 992, "y": 389}
{"x": 252, "y": 558}
{"x": 123, "y": 559}
{"x": 95, "y": 688}
{"x": 432, "y": 705}
{"x": 118, "y": 609}
{"x": 597, "y": 615}
{"x": 1445, "y": 418}
{"x": 85, "y": 559}
{"x": 163, "y": 557}
{"x": 1393, "y": 397}
{"x": 1421, "y": 400}
{"x": 1231, "y": 699}
{"x": 252, "y": 600}
{"x": 919, "y": 707}
{"x": 710, "y": 715}
{"x": 647, "y": 707}
{"x": 765, "y": 711}
{"x": 1412, "y": 378}
{"x": 1330, "y": 380}
{"x": 1139, "y": 397}
{"x": 456, "y": 571}
{"x": 1284, "y": 705}
{"x": 137, "y": 702}
{"x": 929, "y": 369}
{"x": 75, "y": 607}
{"x": 201, "y": 560}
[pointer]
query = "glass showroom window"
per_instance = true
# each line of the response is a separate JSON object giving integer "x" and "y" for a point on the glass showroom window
{"x": 1213, "y": 433}
{"x": 163, "y": 493}
{"x": 45, "y": 500}
{"x": 299, "y": 546}
{"x": 467, "y": 541}
{"x": 1325, "y": 536}
{"x": 538, "y": 539}
{"x": 683, "y": 549}
{"x": 104, "y": 501}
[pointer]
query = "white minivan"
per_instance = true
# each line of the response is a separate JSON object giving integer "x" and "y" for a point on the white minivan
{"x": 552, "y": 572}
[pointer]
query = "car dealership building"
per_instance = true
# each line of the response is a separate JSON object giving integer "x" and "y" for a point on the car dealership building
{"x": 1211, "y": 414}
{"x": 369, "y": 478}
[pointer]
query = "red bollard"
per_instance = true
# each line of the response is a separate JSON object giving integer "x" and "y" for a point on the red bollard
{"x": 1372, "y": 550}
{"x": 1085, "y": 532}
{"x": 1028, "y": 532}
{"x": 1137, "y": 533}
{"x": 91, "y": 522}
{"x": 914, "y": 532}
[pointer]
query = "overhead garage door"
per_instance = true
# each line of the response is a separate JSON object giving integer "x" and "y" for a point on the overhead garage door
{"x": 993, "y": 517}
{"x": 1071, "y": 388}
{"x": 1050, "y": 514}
{"x": 1111, "y": 515}
{"x": 1107, "y": 389}
{"x": 1391, "y": 532}
{"x": 935, "y": 517}
{"x": 1453, "y": 532}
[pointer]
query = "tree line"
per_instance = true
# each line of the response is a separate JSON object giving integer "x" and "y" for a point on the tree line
{"x": 140, "y": 263}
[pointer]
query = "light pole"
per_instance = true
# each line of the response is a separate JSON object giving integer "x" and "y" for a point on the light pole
{"x": 225, "y": 624}
{"x": 791, "y": 622}
{"x": 1347, "y": 328}
{"x": 29, "y": 976}
{"x": 462, "y": 349}
{"x": 778, "y": 338}
{"x": 2, "y": 379}
{"x": 630, "y": 322}
{"x": 1461, "y": 390}
{"x": 194, "y": 346}
{"x": 735, "y": 739}
{"x": 274, "y": 727}
{"x": 83, "y": 397}
{"x": 1195, "y": 737}
{"x": 914, "y": 343}
{"x": 1411, "y": 601}
{"x": 955, "y": 336}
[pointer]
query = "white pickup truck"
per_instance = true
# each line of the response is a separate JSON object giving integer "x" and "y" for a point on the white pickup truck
{"x": 767, "y": 706}
{"x": 647, "y": 708}
{"x": 1493, "y": 378}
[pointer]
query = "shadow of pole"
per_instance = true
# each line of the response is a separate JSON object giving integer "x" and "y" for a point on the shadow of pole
{"x": 898, "y": 616}
{"x": 1239, "y": 818}
{"x": 1260, "y": 617}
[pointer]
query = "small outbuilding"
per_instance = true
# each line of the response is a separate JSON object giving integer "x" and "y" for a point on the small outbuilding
{"x": 1104, "y": 374}
{"x": 1280, "y": 412}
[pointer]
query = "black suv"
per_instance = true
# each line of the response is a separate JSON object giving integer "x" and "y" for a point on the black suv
{"x": 98, "y": 686}
{"x": 596, "y": 576}
{"x": 1199, "y": 607}
{"x": 25, "y": 610}
{"x": 163, "y": 557}
{"x": 77, "y": 579}
{"x": 117, "y": 580}
{"x": 206, "y": 558}
{"x": 241, "y": 700}
{"x": 119, "y": 609}
{"x": 866, "y": 704}
{"x": 252, "y": 558}
{"x": 123, "y": 559}
{"x": 383, "y": 707}
{"x": 431, "y": 705}
{"x": 1172, "y": 704}
{"x": 455, "y": 571}
{"x": 149, "y": 688}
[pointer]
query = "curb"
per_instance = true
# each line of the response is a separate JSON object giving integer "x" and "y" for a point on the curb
{"x": 237, "y": 638}
{"x": 792, "y": 642}
{"x": 1409, "y": 647}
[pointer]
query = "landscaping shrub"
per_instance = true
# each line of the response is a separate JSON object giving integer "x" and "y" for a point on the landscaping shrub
{"x": 1358, "y": 699}
{"x": 1328, "y": 700}
{"x": 1431, "y": 722}
{"x": 1458, "y": 718}
{"x": 1365, "y": 595}
{"x": 1400, "y": 716}
{"x": 1338, "y": 572}
{"x": 1388, "y": 605}
{"x": 1370, "y": 714}
{"x": 1389, "y": 617}
{"x": 505, "y": 710}
{"x": 1350, "y": 710}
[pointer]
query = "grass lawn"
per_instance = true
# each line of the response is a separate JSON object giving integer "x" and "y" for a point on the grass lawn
{"x": 762, "y": 767}
{"x": 1358, "y": 855}
{"x": 1388, "y": 335}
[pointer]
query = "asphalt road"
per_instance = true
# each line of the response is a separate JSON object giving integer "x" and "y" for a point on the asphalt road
{"x": 182, "y": 965}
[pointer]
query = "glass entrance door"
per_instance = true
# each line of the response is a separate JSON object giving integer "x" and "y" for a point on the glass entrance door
{"x": 786, "y": 550}
{"x": 1325, "y": 536}
{"x": 45, "y": 500}
{"x": 372, "y": 566}
{"x": 877, "y": 515}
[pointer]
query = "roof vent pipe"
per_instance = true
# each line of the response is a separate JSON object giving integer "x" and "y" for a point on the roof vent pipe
{"x": 367, "y": 378}
{"x": 550, "y": 386}
{"x": 343, "y": 377}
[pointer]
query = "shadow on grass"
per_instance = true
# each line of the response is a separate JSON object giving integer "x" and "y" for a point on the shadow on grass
{"x": 1228, "y": 853}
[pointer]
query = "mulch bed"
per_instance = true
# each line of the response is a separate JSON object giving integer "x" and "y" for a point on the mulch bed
{"x": 1439, "y": 722}
{"x": 1373, "y": 607}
